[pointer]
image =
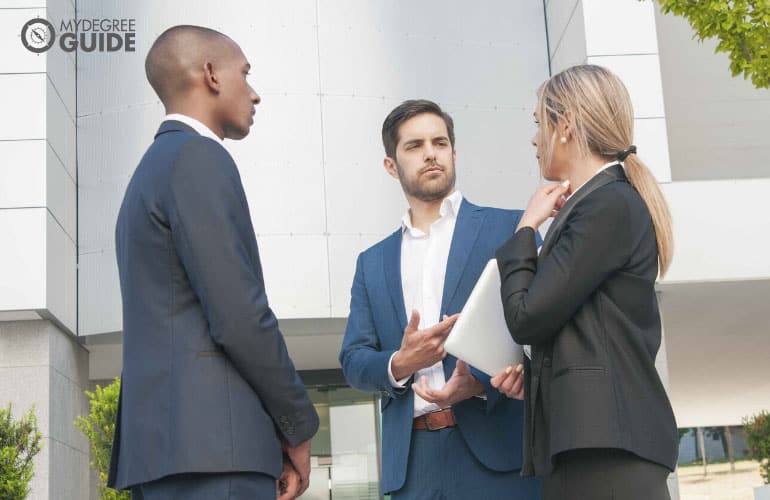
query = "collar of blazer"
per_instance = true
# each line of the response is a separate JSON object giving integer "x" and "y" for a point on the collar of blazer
{"x": 467, "y": 228}
{"x": 610, "y": 174}
{"x": 174, "y": 126}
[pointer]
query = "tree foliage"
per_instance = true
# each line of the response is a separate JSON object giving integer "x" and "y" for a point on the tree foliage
{"x": 19, "y": 443}
{"x": 741, "y": 26}
{"x": 99, "y": 427}
{"x": 757, "y": 429}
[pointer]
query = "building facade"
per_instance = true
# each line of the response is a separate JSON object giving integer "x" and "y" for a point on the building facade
{"x": 329, "y": 71}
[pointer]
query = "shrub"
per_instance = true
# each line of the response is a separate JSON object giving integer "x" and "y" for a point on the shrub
{"x": 99, "y": 428}
{"x": 757, "y": 429}
{"x": 19, "y": 443}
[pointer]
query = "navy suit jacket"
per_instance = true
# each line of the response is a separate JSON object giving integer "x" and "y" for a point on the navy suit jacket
{"x": 207, "y": 383}
{"x": 492, "y": 428}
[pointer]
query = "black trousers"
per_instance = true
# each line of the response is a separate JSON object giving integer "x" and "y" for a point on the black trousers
{"x": 605, "y": 474}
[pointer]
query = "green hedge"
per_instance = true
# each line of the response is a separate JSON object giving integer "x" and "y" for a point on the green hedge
{"x": 99, "y": 427}
{"x": 19, "y": 443}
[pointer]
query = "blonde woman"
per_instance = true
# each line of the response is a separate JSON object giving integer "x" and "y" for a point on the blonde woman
{"x": 598, "y": 421}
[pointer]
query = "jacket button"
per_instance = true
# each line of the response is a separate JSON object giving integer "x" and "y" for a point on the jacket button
{"x": 547, "y": 362}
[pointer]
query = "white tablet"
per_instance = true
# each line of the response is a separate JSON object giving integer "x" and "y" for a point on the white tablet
{"x": 480, "y": 336}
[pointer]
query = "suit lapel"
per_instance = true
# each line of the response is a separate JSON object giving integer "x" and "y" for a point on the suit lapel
{"x": 467, "y": 228}
{"x": 604, "y": 177}
{"x": 392, "y": 269}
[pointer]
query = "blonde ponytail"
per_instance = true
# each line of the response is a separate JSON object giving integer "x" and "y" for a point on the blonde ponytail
{"x": 647, "y": 186}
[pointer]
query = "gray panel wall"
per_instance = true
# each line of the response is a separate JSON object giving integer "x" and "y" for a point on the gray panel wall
{"x": 328, "y": 72}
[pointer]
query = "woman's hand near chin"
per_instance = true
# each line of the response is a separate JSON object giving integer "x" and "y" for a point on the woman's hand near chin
{"x": 544, "y": 203}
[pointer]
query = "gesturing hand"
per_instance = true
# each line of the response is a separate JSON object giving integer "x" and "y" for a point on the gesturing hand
{"x": 460, "y": 386}
{"x": 544, "y": 203}
{"x": 421, "y": 348}
{"x": 510, "y": 382}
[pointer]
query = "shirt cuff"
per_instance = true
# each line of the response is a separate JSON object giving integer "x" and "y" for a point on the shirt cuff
{"x": 398, "y": 384}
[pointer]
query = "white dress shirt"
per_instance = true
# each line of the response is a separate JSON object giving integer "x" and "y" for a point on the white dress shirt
{"x": 195, "y": 125}
{"x": 423, "y": 266}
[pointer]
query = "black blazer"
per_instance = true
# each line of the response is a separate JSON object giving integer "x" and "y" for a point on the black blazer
{"x": 587, "y": 306}
{"x": 207, "y": 382}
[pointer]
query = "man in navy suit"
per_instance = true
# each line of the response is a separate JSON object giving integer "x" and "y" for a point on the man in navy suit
{"x": 210, "y": 400}
{"x": 446, "y": 432}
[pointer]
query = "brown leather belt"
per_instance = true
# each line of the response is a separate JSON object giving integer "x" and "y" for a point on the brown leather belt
{"x": 435, "y": 420}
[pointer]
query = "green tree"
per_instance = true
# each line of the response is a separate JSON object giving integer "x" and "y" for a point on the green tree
{"x": 741, "y": 26}
{"x": 99, "y": 427}
{"x": 757, "y": 430}
{"x": 19, "y": 443}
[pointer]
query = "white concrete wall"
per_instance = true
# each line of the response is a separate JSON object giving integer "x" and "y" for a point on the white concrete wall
{"x": 720, "y": 230}
{"x": 37, "y": 174}
{"x": 43, "y": 366}
{"x": 619, "y": 35}
{"x": 718, "y": 124}
{"x": 328, "y": 71}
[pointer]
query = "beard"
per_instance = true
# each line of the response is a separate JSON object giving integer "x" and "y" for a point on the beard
{"x": 428, "y": 190}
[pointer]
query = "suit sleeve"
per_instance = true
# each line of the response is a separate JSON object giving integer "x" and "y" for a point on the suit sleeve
{"x": 539, "y": 298}
{"x": 212, "y": 231}
{"x": 364, "y": 363}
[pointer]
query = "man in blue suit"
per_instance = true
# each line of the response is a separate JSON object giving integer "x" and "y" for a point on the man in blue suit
{"x": 446, "y": 432}
{"x": 210, "y": 401}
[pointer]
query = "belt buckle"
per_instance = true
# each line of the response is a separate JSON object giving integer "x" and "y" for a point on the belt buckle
{"x": 428, "y": 424}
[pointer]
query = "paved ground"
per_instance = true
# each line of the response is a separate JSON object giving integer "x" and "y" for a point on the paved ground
{"x": 720, "y": 483}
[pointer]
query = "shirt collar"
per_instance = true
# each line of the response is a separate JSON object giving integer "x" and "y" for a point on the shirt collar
{"x": 449, "y": 206}
{"x": 195, "y": 125}
{"x": 602, "y": 168}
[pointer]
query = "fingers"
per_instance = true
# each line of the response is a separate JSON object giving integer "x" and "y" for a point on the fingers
{"x": 517, "y": 391}
{"x": 303, "y": 485}
{"x": 288, "y": 485}
{"x": 461, "y": 368}
{"x": 414, "y": 322}
{"x": 440, "y": 397}
{"x": 423, "y": 390}
{"x": 443, "y": 328}
{"x": 560, "y": 187}
{"x": 500, "y": 377}
{"x": 300, "y": 460}
{"x": 510, "y": 382}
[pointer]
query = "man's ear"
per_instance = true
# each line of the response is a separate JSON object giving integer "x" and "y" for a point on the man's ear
{"x": 390, "y": 167}
{"x": 210, "y": 78}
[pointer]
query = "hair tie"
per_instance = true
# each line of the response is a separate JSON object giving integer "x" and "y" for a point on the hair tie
{"x": 622, "y": 155}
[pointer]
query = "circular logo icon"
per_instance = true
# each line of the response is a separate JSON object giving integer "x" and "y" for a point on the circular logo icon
{"x": 37, "y": 35}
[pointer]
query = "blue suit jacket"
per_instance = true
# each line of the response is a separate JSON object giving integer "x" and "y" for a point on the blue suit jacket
{"x": 207, "y": 385}
{"x": 492, "y": 428}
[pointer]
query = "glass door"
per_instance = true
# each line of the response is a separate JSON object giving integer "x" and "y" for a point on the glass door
{"x": 345, "y": 451}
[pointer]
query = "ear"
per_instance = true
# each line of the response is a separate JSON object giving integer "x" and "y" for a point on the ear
{"x": 211, "y": 79}
{"x": 565, "y": 125}
{"x": 390, "y": 167}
